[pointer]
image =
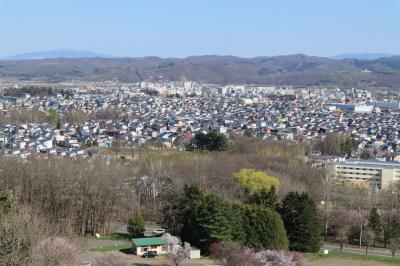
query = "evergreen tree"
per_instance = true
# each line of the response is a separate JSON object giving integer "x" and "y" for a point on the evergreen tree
{"x": 374, "y": 222}
{"x": 264, "y": 228}
{"x": 215, "y": 223}
{"x": 210, "y": 141}
{"x": 171, "y": 212}
{"x": 189, "y": 203}
{"x": 52, "y": 117}
{"x": 136, "y": 225}
{"x": 263, "y": 197}
{"x": 200, "y": 141}
{"x": 237, "y": 222}
{"x": 217, "y": 142}
{"x": 300, "y": 217}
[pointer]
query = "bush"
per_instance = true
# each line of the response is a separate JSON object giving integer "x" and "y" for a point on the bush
{"x": 136, "y": 225}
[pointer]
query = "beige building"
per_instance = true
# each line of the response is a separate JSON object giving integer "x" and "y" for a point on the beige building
{"x": 145, "y": 244}
{"x": 380, "y": 174}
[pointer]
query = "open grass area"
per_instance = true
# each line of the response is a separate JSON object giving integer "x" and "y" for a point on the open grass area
{"x": 119, "y": 247}
{"x": 361, "y": 257}
{"x": 142, "y": 153}
{"x": 172, "y": 154}
{"x": 115, "y": 236}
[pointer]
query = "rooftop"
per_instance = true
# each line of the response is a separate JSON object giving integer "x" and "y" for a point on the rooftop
{"x": 150, "y": 241}
{"x": 371, "y": 163}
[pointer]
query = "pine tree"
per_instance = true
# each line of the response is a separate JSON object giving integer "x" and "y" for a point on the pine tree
{"x": 215, "y": 223}
{"x": 263, "y": 197}
{"x": 190, "y": 202}
{"x": 300, "y": 217}
{"x": 136, "y": 225}
{"x": 374, "y": 222}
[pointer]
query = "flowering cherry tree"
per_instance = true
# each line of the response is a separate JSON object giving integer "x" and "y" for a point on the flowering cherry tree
{"x": 176, "y": 252}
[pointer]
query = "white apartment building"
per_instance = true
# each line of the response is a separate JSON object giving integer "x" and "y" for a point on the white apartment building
{"x": 380, "y": 174}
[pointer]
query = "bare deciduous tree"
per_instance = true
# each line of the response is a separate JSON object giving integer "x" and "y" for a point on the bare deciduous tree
{"x": 342, "y": 232}
{"x": 369, "y": 237}
{"x": 393, "y": 245}
{"x": 54, "y": 252}
{"x": 20, "y": 230}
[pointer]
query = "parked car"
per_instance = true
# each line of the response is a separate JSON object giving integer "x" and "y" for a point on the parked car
{"x": 159, "y": 231}
{"x": 150, "y": 254}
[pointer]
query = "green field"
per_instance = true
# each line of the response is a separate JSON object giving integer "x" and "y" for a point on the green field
{"x": 112, "y": 247}
{"x": 336, "y": 254}
{"x": 115, "y": 236}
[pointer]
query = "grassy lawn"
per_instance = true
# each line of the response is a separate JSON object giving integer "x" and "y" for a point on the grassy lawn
{"x": 142, "y": 153}
{"x": 124, "y": 246}
{"x": 173, "y": 155}
{"x": 115, "y": 236}
{"x": 333, "y": 254}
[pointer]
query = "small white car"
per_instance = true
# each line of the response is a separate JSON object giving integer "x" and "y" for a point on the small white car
{"x": 159, "y": 231}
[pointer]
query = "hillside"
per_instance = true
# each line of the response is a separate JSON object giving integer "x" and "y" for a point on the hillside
{"x": 298, "y": 70}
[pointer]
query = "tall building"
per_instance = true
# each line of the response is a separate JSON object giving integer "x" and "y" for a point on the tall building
{"x": 380, "y": 174}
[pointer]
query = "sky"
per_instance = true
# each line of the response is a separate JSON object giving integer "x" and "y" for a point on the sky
{"x": 180, "y": 28}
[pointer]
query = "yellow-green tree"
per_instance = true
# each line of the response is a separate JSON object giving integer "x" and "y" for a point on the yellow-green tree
{"x": 252, "y": 180}
{"x": 52, "y": 117}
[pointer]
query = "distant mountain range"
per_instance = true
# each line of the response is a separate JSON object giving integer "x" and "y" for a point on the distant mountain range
{"x": 55, "y": 54}
{"x": 297, "y": 70}
{"x": 67, "y": 53}
{"x": 363, "y": 56}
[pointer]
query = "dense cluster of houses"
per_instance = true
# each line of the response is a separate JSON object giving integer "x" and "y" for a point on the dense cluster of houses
{"x": 170, "y": 120}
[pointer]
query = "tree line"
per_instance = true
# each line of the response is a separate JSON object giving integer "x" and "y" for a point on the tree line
{"x": 77, "y": 197}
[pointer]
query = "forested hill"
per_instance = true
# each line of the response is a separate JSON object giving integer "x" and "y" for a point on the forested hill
{"x": 297, "y": 70}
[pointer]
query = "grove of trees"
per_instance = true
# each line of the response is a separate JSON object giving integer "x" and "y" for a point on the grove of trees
{"x": 211, "y": 141}
{"x": 204, "y": 218}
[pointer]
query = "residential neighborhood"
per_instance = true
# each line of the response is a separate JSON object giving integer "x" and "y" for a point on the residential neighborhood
{"x": 130, "y": 115}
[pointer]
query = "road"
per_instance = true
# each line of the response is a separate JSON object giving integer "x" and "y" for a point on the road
{"x": 371, "y": 251}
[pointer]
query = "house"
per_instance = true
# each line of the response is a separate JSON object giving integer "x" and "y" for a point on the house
{"x": 144, "y": 244}
{"x": 194, "y": 253}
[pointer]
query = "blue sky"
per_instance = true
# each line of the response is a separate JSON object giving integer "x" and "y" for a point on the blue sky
{"x": 179, "y": 28}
